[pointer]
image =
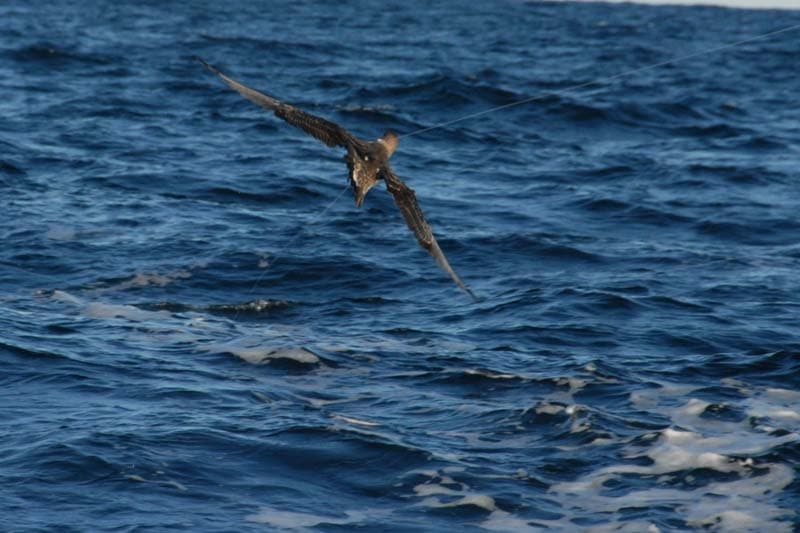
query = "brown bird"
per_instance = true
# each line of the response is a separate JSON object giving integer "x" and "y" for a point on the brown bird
{"x": 367, "y": 161}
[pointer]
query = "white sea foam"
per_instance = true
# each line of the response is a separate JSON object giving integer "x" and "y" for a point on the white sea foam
{"x": 65, "y": 297}
{"x": 129, "y": 312}
{"x": 783, "y": 395}
{"x": 294, "y": 520}
{"x": 779, "y": 406}
{"x": 146, "y": 279}
{"x": 163, "y": 327}
{"x": 109, "y": 311}
{"x": 499, "y": 520}
{"x": 441, "y": 491}
{"x": 354, "y": 421}
{"x": 545, "y": 408}
{"x": 253, "y": 350}
{"x": 489, "y": 374}
{"x": 165, "y": 482}
{"x": 743, "y": 503}
{"x": 478, "y": 500}
{"x": 159, "y": 280}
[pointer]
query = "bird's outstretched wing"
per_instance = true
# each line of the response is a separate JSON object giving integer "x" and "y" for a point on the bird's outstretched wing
{"x": 406, "y": 201}
{"x": 326, "y": 131}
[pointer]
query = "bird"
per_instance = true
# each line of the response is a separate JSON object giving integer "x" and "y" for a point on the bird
{"x": 367, "y": 163}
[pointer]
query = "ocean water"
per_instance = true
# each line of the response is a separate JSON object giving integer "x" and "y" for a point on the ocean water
{"x": 191, "y": 341}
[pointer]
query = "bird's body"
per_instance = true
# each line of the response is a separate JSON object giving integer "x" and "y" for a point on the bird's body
{"x": 367, "y": 162}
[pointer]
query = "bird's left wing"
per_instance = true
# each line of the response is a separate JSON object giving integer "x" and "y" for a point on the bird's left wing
{"x": 326, "y": 131}
{"x": 407, "y": 203}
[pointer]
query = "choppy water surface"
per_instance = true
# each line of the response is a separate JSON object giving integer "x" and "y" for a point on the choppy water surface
{"x": 187, "y": 345}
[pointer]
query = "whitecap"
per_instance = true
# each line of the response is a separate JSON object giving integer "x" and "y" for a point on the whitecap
{"x": 355, "y": 421}
{"x": 252, "y": 351}
{"x": 281, "y": 519}
{"x": 129, "y": 312}
{"x": 745, "y": 500}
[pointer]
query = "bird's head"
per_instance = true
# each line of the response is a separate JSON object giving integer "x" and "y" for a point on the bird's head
{"x": 390, "y": 141}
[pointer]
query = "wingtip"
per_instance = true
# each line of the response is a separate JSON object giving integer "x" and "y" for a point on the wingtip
{"x": 463, "y": 286}
{"x": 475, "y": 297}
{"x": 438, "y": 256}
{"x": 205, "y": 64}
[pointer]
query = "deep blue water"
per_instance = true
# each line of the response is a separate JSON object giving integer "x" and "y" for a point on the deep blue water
{"x": 188, "y": 343}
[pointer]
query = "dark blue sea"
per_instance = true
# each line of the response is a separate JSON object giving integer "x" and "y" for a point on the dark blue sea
{"x": 200, "y": 332}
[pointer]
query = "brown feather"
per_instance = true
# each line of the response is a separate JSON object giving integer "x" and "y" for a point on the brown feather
{"x": 324, "y": 130}
{"x": 363, "y": 175}
{"x": 407, "y": 203}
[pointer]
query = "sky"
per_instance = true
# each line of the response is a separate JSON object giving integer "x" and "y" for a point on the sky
{"x": 765, "y": 4}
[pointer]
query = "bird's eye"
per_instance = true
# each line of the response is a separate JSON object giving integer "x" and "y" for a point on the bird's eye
{"x": 366, "y": 158}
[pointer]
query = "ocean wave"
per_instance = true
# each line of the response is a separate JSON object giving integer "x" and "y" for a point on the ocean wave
{"x": 760, "y": 233}
{"x": 187, "y": 325}
{"x": 9, "y": 169}
{"x": 449, "y": 89}
{"x": 49, "y": 53}
{"x": 22, "y": 351}
{"x": 290, "y": 194}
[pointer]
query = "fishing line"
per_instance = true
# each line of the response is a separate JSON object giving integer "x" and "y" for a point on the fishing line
{"x": 278, "y": 255}
{"x": 601, "y": 80}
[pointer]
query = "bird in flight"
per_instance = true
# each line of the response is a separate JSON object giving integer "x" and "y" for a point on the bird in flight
{"x": 367, "y": 161}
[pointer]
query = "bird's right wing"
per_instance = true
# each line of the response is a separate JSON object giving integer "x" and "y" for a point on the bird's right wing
{"x": 407, "y": 203}
{"x": 326, "y": 131}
